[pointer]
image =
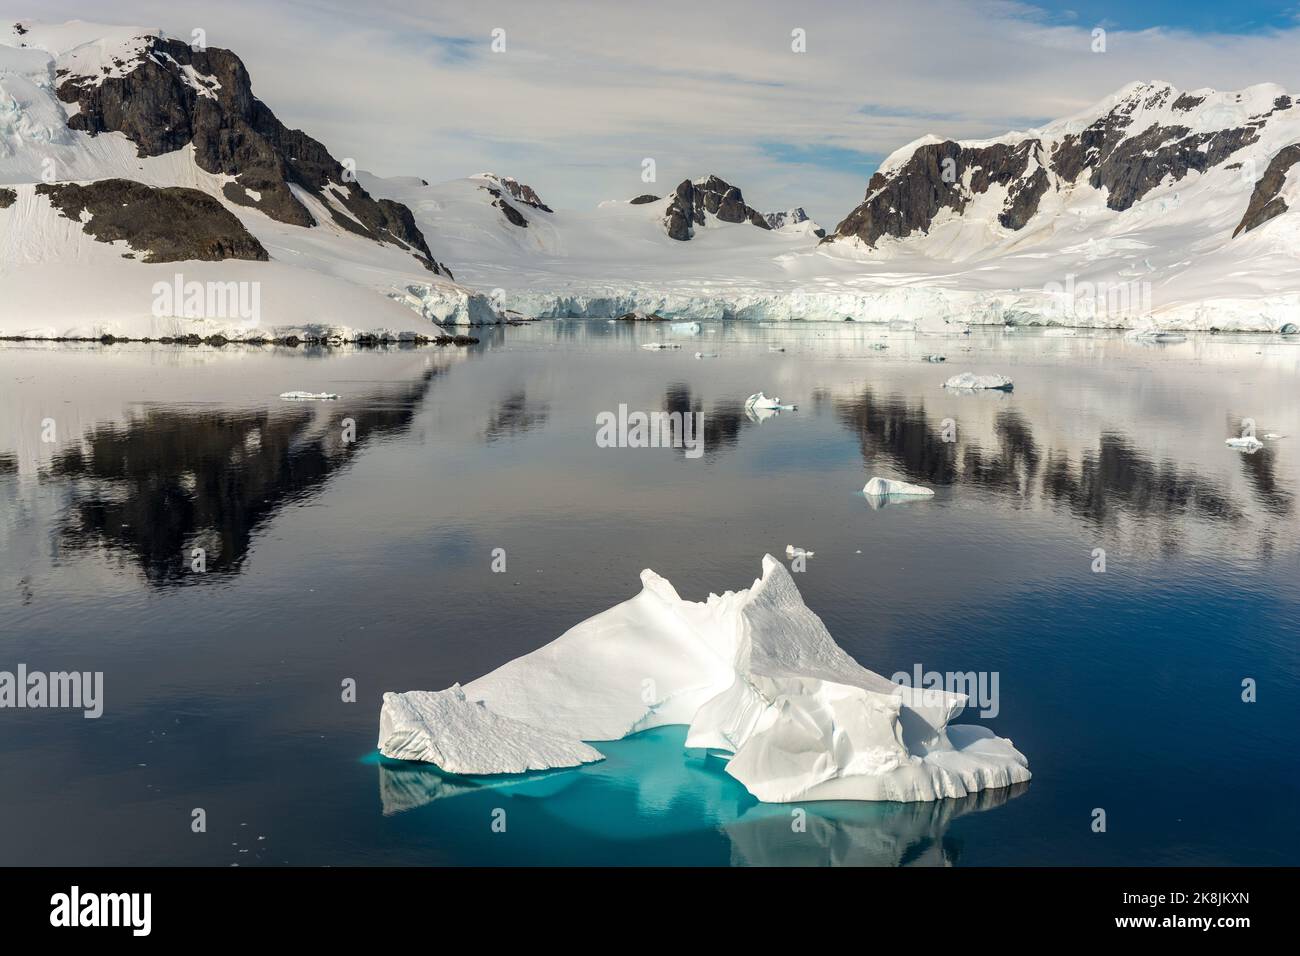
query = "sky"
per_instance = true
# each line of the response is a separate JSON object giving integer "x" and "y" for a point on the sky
{"x": 578, "y": 95}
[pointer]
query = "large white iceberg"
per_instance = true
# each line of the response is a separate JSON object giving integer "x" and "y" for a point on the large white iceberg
{"x": 753, "y": 673}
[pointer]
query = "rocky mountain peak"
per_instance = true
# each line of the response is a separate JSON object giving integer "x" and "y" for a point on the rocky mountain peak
{"x": 694, "y": 198}
{"x": 1144, "y": 136}
{"x": 164, "y": 94}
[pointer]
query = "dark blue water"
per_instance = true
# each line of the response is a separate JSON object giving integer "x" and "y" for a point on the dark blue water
{"x": 370, "y": 559}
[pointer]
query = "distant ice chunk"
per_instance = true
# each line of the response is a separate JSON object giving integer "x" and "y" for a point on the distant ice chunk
{"x": 933, "y": 358}
{"x": 704, "y": 355}
{"x": 1245, "y": 443}
{"x": 753, "y": 673}
{"x": 463, "y": 736}
{"x": 308, "y": 396}
{"x": 776, "y": 348}
{"x": 791, "y": 552}
{"x": 653, "y": 346}
{"x": 971, "y": 380}
{"x": 685, "y": 328}
{"x": 760, "y": 402}
{"x": 883, "y": 487}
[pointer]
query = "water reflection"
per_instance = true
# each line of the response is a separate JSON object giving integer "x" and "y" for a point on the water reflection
{"x": 650, "y": 784}
{"x": 170, "y": 480}
{"x": 722, "y": 422}
{"x": 514, "y": 415}
{"x": 1098, "y": 485}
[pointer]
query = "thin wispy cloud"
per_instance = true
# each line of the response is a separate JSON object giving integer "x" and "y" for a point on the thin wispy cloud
{"x": 583, "y": 93}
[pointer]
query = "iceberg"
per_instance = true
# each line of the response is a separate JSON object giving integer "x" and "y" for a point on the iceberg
{"x": 308, "y": 396}
{"x": 971, "y": 380}
{"x": 1245, "y": 443}
{"x": 760, "y": 402}
{"x": 882, "y": 487}
{"x": 791, "y": 551}
{"x": 653, "y": 346}
{"x": 685, "y": 328}
{"x": 755, "y": 676}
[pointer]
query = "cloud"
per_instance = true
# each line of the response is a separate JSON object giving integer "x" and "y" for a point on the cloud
{"x": 584, "y": 92}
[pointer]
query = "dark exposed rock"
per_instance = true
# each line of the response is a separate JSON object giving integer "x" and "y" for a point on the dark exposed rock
{"x": 1265, "y": 203}
{"x": 691, "y": 200}
{"x": 1187, "y": 102}
{"x": 168, "y": 224}
{"x": 519, "y": 191}
{"x": 1141, "y": 163}
{"x": 935, "y": 178}
{"x": 177, "y": 96}
{"x": 513, "y": 215}
{"x": 7, "y": 198}
{"x": 643, "y": 199}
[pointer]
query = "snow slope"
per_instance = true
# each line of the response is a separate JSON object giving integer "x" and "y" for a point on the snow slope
{"x": 754, "y": 673}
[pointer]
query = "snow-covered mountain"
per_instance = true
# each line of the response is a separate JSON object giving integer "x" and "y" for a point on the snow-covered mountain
{"x": 1174, "y": 201}
{"x": 124, "y": 153}
{"x": 698, "y": 248}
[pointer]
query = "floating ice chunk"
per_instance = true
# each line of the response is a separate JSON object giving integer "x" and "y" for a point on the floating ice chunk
{"x": 704, "y": 355}
{"x": 754, "y": 673}
{"x": 308, "y": 396}
{"x": 660, "y": 345}
{"x": 1272, "y": 436}
{"x": 1245, "y": 443}
{"x": 1060, "y": 333}
{"x": 791, "y": 551}
{"x": 882, "y": 487}
{"x": 879, "y": 346}
{"x": 685, "y": 328}
{"x": 758, "y": 401}
{"x": 933, "y": 358}
{"x": 971, "y": 380}
{"x": 463, "y": 736}
{"x": 776, "y": 348}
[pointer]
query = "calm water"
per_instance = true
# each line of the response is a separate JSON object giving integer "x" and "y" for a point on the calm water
{"x": 370, "y": 560}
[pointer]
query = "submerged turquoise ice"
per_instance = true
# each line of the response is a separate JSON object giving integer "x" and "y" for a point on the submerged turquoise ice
{"x": 652, "y": 801}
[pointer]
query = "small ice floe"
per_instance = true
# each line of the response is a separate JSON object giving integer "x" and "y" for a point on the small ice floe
{"x": 933, "y": 358}
{"x": 971, "y": 380}
{"x": 685, "y": 328}
{"x": 704, "y": 355}
{"x": 792, "y": 552}
{"x": 759, "y": 401}
{"x": 879, "y": 346}
{"x": 1273, "y": 436}
{"x": 308, "y": 396}
{"x": 655, "y": 346}
{"x": 886, "y": 487}
{"x": 1244, "y": 443}
{"x": 1060, "y": 333}
{"x": 776, "y": 348}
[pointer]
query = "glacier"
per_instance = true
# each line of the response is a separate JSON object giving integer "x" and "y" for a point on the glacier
{"x": 755, "y": 676}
